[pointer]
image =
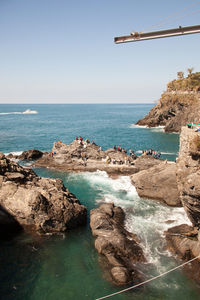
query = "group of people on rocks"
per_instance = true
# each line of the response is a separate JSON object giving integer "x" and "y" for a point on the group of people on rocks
{"x": 120, "y": 149}
{"x": 151, "y": 152}
{"x": 126, "y": 161}
{"x": 123, "y": 150}
{"x": 82, "y": 142}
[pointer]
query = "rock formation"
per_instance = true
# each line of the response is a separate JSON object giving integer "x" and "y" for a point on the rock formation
{"x": 32, "y": 154}
{"x": 159, "y": 183}
{"x": 177, "y": 106}
{"x": 188, "y": 173}
{"x": 89, "y": 157}
{"x": 115, "y": 243}
{"x": 184, "y": 240}
{"x": 39, "y": 204}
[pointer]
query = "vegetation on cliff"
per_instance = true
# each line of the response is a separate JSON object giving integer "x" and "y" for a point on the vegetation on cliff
{"x": 190, "y": 83}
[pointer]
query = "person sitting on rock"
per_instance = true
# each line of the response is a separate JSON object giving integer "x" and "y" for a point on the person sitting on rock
{"x": 108, "y": 159}
{"x": 115, "y": 148}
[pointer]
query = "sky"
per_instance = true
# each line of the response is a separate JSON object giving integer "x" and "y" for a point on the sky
{"x": 64, "y": 52}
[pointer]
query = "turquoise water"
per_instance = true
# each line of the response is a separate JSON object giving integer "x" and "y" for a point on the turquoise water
{"x": 68, "y": 267}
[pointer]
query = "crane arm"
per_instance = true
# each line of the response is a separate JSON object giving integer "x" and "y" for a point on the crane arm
{"x": 136, "y": 36}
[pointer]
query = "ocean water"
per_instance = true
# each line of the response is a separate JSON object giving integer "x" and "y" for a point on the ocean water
{"x": 68, "y": 267}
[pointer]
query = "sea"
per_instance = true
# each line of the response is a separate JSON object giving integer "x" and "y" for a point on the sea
{"x": 68, "y": 266}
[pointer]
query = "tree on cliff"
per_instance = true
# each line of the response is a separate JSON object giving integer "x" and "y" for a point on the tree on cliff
{"x": 180, "y": 75}
{"x": 190, "y": 70}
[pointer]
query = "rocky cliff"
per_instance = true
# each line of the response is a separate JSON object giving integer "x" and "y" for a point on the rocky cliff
{"x": 184, "y": 240}
{"x": 177, "y": 106}
{"x": 40, "y": 204}
{"x": 188, "y": 173}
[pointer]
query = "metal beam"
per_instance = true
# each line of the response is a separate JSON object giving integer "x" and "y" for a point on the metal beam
{"x": 137, "y": 36}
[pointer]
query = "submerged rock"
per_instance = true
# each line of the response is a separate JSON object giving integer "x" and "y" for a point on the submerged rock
{"x": 36, "y": 203}
{"x": 116, "y": 244}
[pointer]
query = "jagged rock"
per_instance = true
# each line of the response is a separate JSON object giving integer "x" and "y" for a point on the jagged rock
{"x": 118, "y": 246}
{"x": 159, "y": 183}
{"x": 30, "y": 155}
{"x": 87, "y": 157}
{"x": 41, "y": 204}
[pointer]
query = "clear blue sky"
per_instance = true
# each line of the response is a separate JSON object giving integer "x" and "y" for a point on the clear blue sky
{"x": 60, "y": 51}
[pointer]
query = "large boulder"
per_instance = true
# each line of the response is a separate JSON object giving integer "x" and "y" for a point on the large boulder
{"x": 159, "y": 183}
{"x": 184, "y": 241}
{"x": 116, "y": 244}
{"x": 30, "y": 155}
{"x": 36, "y": 203}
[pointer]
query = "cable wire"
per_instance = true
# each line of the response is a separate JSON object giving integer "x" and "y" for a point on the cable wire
{"x": 149, "y": 280}
{"x": 164, "y": 21}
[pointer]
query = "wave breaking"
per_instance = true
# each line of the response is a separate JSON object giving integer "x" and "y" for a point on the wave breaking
{"x": 26, "y": 112}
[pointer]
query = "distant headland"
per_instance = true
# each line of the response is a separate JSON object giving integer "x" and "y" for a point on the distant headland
{"x": 178, "y": 105}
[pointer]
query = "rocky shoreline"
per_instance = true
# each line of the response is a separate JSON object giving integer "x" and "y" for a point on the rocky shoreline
{"x": 49, "y": 208}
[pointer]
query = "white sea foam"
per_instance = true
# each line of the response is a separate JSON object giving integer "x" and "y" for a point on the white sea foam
{"x": 26, "y": 112}
{"x": 14, "y": 153}
{"x": 155, "y": 129}
{"x": 138, "y": 126}
{"x": 147, "y": 218}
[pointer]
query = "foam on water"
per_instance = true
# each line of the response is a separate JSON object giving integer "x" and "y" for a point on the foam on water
{"x": 14, "y": 153}
{"x": 147, "y": 218}
{"x": 156, "y": 128}
{"x": 138, "y": 126}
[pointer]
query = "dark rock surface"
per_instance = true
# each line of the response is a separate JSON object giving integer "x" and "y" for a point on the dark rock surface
{"x": 159, "y": 183}
{"x": 30, "y": 155}
{"x": 116, "y": 244}
{"x": 39, "y": 204}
